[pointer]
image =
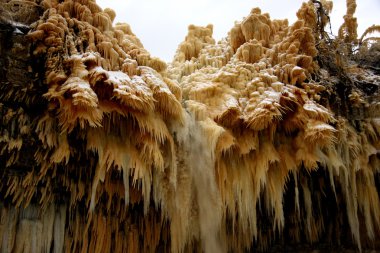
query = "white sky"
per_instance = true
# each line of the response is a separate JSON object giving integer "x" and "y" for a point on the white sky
{"x": 162, "y": 24}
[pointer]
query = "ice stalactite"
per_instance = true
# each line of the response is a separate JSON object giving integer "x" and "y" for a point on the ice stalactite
{"x": 259, "y": 139}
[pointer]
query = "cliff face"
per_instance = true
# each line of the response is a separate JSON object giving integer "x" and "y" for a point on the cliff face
{"x": 265, "y": 140}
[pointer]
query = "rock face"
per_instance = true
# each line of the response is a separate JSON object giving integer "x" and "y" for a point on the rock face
{"x": 266, "y": 140}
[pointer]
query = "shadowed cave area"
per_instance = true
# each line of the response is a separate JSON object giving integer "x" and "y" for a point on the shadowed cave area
{"x": 265, "y": 141}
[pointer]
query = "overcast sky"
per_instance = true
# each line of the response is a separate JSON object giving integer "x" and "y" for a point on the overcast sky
{"x": 162, "y": 24}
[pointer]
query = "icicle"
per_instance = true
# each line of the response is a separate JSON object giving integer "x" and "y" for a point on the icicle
{"x": 211, "y": 142}
{"x": 59, "y": 229}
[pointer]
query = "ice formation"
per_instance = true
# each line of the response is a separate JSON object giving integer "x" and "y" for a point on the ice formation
{"x": 228, "y": 148}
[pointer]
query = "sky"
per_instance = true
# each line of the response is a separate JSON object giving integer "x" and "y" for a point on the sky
{"x": 161, "y": 25}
